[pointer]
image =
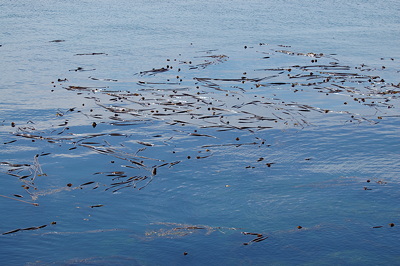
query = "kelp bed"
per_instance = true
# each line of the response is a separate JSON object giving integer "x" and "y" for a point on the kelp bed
{"x": 196, "y": 110}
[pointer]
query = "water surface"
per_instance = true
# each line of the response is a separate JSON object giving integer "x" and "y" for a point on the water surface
{"x": 177, "y": 132}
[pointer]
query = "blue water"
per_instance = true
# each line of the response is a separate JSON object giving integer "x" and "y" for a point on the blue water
{"x": 277, "y": 118}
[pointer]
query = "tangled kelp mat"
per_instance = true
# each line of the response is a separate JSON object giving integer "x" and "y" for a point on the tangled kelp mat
{"x": 181, "y": 230}
{"x": 192, "y": 109}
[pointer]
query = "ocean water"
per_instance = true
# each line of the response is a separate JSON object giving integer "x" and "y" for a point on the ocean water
{"x": 199, "y": 132}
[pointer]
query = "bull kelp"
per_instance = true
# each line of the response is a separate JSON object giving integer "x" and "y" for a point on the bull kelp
{"x": 266, "y": 126}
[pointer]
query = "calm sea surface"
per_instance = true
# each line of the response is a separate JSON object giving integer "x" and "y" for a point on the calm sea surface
{"x": 199, "y": 132}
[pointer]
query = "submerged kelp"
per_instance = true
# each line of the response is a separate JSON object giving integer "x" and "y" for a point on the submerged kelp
{"x": 207, "y": 115}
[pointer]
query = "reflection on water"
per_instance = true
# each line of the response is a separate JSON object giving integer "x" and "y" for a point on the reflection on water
{"x": 244, "y": 153}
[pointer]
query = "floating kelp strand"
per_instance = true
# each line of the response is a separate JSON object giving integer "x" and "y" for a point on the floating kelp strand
{"x": 103, "y": 79}
{"x": 63, "y": 130}
{"x": 244, "y": 104}
{"x": 196, "y": 97}
{"x": 87, "y": 183}
{"x": 174, "y": 163}
{"x": 97, "y": 206}
{"x": 324, "y": 67}
{"x": 117, "y": 109}
{"x": 273, "y": 84}
{"x": 234, "y": 79}
{"x": 344, "y": 74}
{"x": 303, "y": 54}
{"x": 9, "y": 142}
{"x": 218, "y": 59}
{"x": 81, "y": 69}
{"x": 163, "y": 114}
{"x": 152, "y": 72}
{"x": 25, "y": 171}
{"x": 141, "y": 163}
{"x": 160, "y": 83}
{"x": 26, "y": 135}
{"x": 140, "y": 150}
{"x": 273, "y": 69}
{"x": 81, "y": 88}
{"x": 33, "y": 227}
{"x": 145, "y": 143}
{"x": 117, "y": 176}
{"x": 208, "y": 116}
{"x": 305, "y": 76}
{"x": 161, "y": 165}
{"x": 219, "y": 126}
{"x": 117, "y": 135}
{"x": 122, "y": 121}
{"x": 12, "y": 231}
{"x": 39, "y": 137}
{"x": 14, "y": 165}
{"x": 259, "y": 238}
{"x": 28, "y": 228}
{"x": 203, "y": 157}
{"x": 97, "y": 149}
{"x": 258, "y": 117}
{"x": 92, "y": 54}
{"x": 390, "y": 92}
{"x": 201, "y": 135}
{"x": 16, "y": 175}
{"x": 116, "y": 173}
{"x": 118, "y": 154}
{"x": 32, "y": 203}
{"x": 145, "y": 185}
{"x": 130, "y": 182}
{"x": 346, "y": 88}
